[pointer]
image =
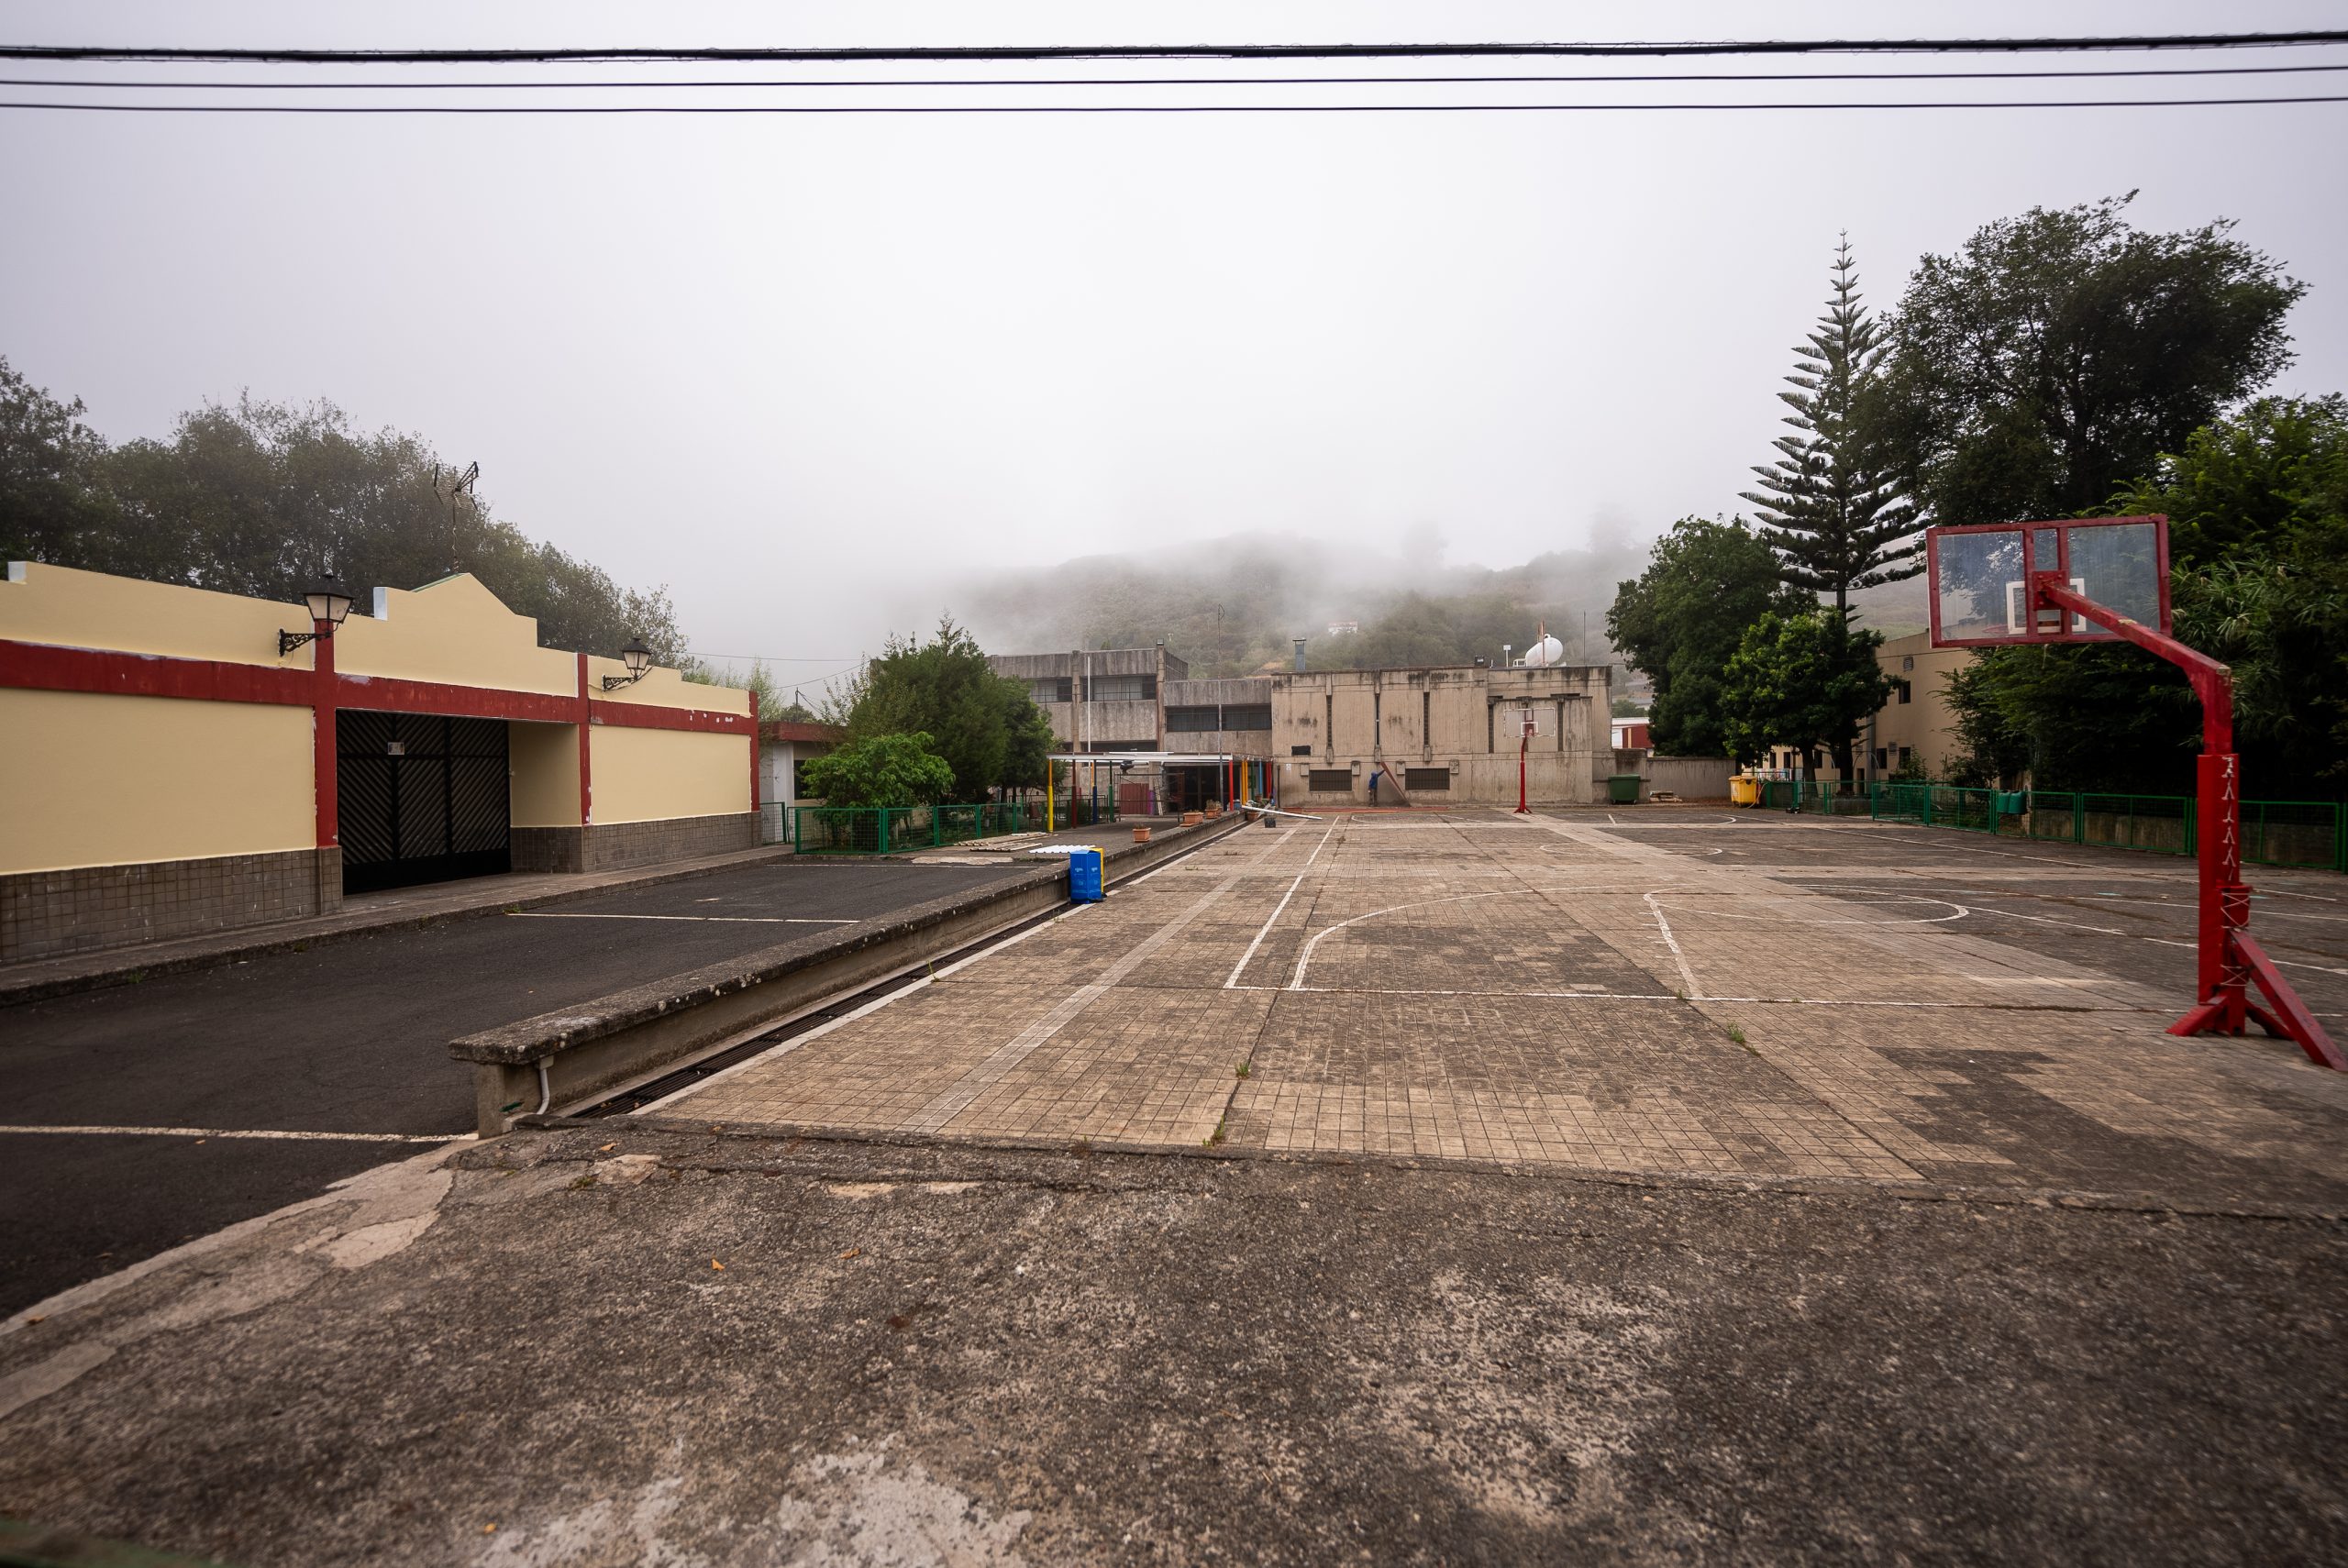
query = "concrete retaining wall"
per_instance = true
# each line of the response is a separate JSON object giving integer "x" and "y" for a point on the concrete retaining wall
{"x": 1689, "y": 778}
{"x": 599, "y": 1046}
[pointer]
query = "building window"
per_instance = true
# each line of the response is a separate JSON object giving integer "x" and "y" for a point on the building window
{"x": 1122, "y": 688}
{"x": 1193, "y": 720}
{"x": 1146, "y": 745}
{"x": 1299, "y": 751}
{"x": 1247, "y": 716}
{"x": 1329, "y": 780}
{"x": 799, "y": 777}
{"x": 1880, "y": 764}
{"x": 1052, "y": 690}
{"x": 1901, "y": 693}
{"x": 1426, "y": 778}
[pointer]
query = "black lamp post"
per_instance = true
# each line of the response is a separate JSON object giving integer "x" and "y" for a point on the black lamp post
{"x": 638, "y": 659}
{"x": 328, "y": 604}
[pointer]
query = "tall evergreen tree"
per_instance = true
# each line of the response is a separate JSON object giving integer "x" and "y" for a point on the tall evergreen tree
{"x": 1835, "y": 520}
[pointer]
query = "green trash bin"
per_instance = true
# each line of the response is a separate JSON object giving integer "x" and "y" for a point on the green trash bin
{"x": 1623, "y": 790}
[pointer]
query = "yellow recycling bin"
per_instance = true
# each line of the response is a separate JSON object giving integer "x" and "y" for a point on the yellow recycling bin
{"x": 1744, "y": 791}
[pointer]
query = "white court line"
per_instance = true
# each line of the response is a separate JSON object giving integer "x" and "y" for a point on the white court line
{"x": 786, "y": 1047}
{"x": 1695, "y": 991}
{"x": 1262, "y": 930}
{"x": 715, "y": 920}
{"x": 247, "y": 1132}
{"x": 2278, "y": 963}
{"x": 1673, "y": 997}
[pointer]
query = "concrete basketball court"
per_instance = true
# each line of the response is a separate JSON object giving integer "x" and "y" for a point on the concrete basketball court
{"x": 1648, "y": 990}
{"x": 1662, "y": 1187}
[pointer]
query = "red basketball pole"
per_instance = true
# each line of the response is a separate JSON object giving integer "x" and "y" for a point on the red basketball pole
{"x": 2231, "y": 961}
{"x": 1524, "y": 740}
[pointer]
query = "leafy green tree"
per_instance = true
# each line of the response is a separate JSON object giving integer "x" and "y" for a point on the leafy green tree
{"x": 1835, "y": 519}
{"x": 984, "y": 725}
{"x": 1805, "y": 679}
{"x": 1680, "y": 621}
{"x": 52, "y": 506}
{"x": 2051, "y": 360}
{"x": 881, "y": 770}
{"x": 259, "y": 498}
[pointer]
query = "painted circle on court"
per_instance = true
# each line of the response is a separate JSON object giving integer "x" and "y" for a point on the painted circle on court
{"x": 1897, "y": 909}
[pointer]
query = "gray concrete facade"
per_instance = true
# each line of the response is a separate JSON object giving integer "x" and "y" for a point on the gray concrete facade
{"x": 1446, "y": 735}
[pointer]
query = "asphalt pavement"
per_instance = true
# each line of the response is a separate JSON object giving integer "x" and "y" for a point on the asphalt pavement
{"x": 348, "y": 1038}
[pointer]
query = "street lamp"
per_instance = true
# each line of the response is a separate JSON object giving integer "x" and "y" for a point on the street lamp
{"x": 328, "y": 604}
{"x": 638, "y": 659}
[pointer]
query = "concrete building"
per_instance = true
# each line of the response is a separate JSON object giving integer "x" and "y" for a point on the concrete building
{"x": 1100, "y": 700}
{"x": 170, "y": 765}
{"x": 1432, "y": 736}
{"x": 785, "y": 747}
{"x": 1448, "y": 735}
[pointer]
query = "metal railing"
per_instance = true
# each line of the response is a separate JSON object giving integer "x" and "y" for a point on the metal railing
{"x": 897, "y": 829}
{"x": 2311, "y": 833}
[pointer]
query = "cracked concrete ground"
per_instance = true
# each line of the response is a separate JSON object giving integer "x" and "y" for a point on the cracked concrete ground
{"x": 1681, "y": 1188}
{"x": 610, "y": 1345}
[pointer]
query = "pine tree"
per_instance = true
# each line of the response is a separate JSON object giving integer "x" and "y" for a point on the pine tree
{"x": 1836, "y": 521}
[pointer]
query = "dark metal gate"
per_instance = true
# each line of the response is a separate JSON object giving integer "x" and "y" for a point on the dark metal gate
{"x": 420, "y": 798}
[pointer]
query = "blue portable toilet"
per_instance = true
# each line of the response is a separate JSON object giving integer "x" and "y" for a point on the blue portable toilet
{"x": 1084, "y": 876}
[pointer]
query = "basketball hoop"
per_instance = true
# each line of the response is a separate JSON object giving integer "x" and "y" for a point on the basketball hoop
{"x": 2097, "y": 580}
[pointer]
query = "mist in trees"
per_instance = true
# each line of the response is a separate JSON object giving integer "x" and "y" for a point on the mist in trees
{"x": 259, "y": 498}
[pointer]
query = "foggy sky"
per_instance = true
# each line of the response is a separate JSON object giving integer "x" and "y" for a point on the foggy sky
{"x": 820, "y": 375}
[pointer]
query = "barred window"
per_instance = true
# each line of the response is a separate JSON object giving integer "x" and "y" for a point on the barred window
{"x": 1123, "y": 688}
{"x": 1052, "y": 690}
{"x": 1247, "y": 716}
{"x": 1195, "y": 721}
{"x": 1329, "y": 779}
{"x": 1426, "y": 778}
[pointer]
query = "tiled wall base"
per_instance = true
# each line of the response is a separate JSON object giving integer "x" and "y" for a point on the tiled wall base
{"x": 615, "y": 846}
{"x": 546, "y": 849}
{"x": 45, "y": 913}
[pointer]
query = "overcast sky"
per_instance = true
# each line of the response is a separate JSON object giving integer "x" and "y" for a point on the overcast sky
{"x": 811, "y": 371}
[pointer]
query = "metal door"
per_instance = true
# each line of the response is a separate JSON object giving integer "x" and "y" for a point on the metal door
{"x": 420, "y": 798}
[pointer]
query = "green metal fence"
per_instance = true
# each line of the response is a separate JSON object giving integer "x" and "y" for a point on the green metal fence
{"x": 2274, "y": 833}
{"x": 895, "y": 830}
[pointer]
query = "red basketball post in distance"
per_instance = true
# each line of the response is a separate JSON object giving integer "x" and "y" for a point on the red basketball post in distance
{"x": 2231, "y": 961}
{"x": 1524, "y": 744}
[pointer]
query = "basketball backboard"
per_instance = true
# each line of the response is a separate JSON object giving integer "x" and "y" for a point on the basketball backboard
{"x": 1980, "y": 578}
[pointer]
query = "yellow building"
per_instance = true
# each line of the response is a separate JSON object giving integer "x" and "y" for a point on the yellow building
{"x": 172, "y": 763}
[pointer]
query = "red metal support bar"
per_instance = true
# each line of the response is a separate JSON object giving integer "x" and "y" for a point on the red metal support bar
{"x": 322, "y": 763}
{"x": 2231, "y": 963}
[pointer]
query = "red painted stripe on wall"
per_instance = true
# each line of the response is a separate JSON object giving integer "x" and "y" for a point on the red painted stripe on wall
{"x": 40, "y": 666}
{"x": 44, "y": 668}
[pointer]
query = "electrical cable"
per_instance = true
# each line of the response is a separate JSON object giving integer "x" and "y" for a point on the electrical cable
{"x": 1182, "y": 51}
{"x": 1140, "y": 108}
{"x": 703, "y": 83}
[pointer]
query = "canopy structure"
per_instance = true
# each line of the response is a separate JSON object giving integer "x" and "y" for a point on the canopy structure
{"x": 1175, "y": 757}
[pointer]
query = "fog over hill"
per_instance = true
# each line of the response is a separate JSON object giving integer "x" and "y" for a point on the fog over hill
{"x": 1232, "y": 605}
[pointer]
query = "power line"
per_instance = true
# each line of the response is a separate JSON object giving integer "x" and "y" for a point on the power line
{"x": 698, "y": 84}
{"x": 1135, "y": 108}
{"x": 1180, "y": 52}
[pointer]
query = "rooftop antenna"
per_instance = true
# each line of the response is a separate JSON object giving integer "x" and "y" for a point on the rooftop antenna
{"x": 450, "y": 484}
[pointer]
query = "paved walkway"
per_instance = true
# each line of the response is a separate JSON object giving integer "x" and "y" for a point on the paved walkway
{"x": 1565, "y": 992}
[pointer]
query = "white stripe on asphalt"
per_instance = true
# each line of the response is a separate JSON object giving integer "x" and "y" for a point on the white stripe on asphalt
{"x": 720, "y": 920}
{"x": 247, "y": 1132}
